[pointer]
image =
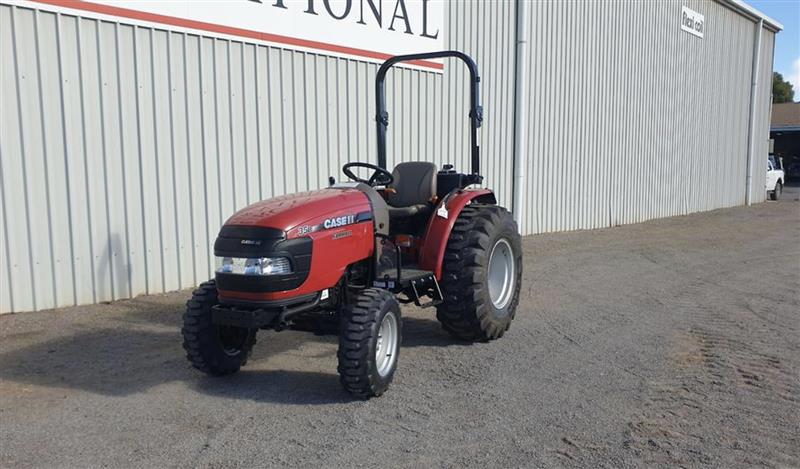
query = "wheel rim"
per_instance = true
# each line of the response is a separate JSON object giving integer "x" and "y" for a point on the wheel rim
{"x": 386, "y": 347}
{"x": 232, "y": 339}
{"x": 501, "y": 276}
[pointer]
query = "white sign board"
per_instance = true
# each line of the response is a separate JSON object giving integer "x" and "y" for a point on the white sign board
{"x": 364, "y": 29}
{"x": 692, "y": 22}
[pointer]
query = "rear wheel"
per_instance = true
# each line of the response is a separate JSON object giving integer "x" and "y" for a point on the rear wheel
{"x": 776, "y": 194}
{"x": 369, "y": 343}
{"x": 481, "y": 274}
{"x": 213, "y": 349}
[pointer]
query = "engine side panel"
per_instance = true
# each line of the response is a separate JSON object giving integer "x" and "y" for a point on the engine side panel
{"x": 439, "y": 227}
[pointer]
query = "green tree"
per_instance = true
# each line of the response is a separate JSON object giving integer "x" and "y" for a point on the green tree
{"x": 782, "y": 90}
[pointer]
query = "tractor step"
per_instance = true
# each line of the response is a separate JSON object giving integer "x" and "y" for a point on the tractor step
{"x": 387, "y": 278}
{"x": 414, "y": 283}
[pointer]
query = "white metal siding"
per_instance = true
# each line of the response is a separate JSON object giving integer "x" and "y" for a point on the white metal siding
{"x": 631, "y": 118}
{"x": 124, "y": 148}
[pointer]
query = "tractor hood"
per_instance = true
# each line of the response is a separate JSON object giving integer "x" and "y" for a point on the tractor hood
{"x": 292, "y": 210}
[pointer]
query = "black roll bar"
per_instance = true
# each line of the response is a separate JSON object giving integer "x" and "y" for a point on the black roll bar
{"x": 475, "y": 109}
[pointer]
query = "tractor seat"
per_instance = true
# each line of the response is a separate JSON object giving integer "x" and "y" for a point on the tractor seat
{"x": 414, "y": 189}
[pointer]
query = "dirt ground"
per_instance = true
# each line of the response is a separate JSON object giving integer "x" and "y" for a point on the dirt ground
{"x": 669, "y": 343}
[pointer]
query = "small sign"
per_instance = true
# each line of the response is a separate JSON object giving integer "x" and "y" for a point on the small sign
{"x": 692, "y": 22}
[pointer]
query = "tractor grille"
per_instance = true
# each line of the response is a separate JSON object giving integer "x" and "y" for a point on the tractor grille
{"x": 256, "y": 241}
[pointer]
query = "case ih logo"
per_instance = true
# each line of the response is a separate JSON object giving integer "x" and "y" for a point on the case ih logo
{"x": 336, "y": 222}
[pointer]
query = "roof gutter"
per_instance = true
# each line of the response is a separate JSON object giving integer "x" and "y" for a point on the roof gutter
{"x": 753, "y": 14}
{"x": 784, "y": 128}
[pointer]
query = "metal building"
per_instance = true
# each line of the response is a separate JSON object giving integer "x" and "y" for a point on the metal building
{"x": 125, "y": 143}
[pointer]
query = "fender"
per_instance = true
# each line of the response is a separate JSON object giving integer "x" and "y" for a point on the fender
{"x": 439, "y": 228}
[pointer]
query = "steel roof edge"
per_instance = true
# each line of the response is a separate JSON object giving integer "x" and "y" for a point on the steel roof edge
{"x": 784, "y": 128}
{"x": 747, "y": 10}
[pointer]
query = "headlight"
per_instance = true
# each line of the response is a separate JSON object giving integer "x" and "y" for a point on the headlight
{"x": 253, "y": 266}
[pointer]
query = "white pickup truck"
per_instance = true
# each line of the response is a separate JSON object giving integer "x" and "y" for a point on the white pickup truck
{"x": 775, "y": 177}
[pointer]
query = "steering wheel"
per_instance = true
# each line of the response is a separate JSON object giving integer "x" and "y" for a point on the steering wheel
{"x": 380, "y": 176}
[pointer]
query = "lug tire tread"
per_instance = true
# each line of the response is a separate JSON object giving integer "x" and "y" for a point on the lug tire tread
{"x": 464, "y": 313}
{"x": 196, "y": 334}
{"x": 360, "y": 327}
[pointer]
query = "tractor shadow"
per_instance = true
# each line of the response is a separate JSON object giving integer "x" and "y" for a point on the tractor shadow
{"x": 289, "y": 387}
{"x": 138, "y": 346}
{"x": 296, "y": 387}
{"x": 425, "y": 332}
{"x": 123, "y": 362}
{"x": 107, "y": 361}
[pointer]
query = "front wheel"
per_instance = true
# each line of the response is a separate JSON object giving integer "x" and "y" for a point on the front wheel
{"x": 213, "y": 349}
{"x": 369, "y": 343}
{"x": 481, "y": 275}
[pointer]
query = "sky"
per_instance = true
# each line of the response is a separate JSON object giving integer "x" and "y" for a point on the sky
{"x": 787, "y": 43}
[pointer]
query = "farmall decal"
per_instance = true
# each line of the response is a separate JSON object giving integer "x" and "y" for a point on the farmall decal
{"x": 364, "y": 29}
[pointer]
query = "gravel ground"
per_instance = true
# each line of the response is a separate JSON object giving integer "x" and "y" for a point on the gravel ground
{"x": 669, "y": 343}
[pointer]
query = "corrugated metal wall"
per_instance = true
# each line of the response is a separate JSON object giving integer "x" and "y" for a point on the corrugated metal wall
{"x": 123, "y": 148}
{"x": 631, "y": 118}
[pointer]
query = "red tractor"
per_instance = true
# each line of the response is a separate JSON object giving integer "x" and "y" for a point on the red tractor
{"x": 343, "y": 258}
